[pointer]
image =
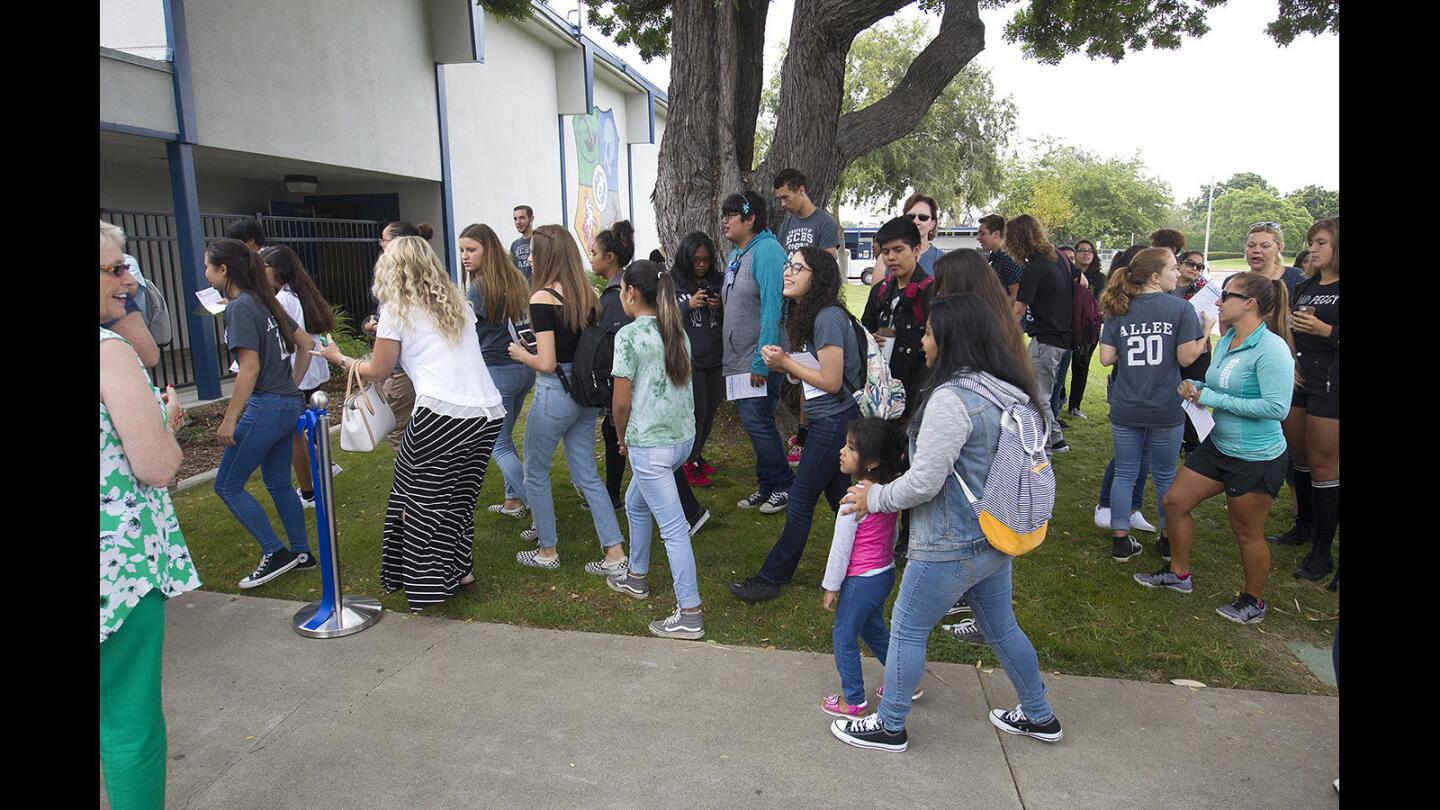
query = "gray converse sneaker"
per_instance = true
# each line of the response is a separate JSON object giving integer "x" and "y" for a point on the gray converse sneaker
{"x": 637, "y": 587}
{"x": 777, "y": 502}
{"x": 1165, "y": 578}
{"x": 1246, "y": 609}
{"x": 679, "y": 625}
{"x": 606, "y": 569}
{"x": 533, "y": 559}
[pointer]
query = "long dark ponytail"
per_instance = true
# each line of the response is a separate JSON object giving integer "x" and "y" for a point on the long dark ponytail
{"x": 245, "y": 273}
{"x": 969, "y": 338}
{"x": 290, "y": 271}
{"x": 657, "y": 289}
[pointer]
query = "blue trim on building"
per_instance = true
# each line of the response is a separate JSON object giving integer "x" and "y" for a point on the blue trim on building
{"x": 175, "y": 35}
{"x": 204, "y": 351}
{"x": 477, "y": 31}
{"x": 126, "y": 129}
{"x": 630, "y": 178}
{"x": 564, "y": 193}
{"x": 447, "y": 202}
{"x": 650, "y": 108}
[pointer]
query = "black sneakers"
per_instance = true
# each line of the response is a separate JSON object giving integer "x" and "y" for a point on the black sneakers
{"x": 1317, "y": 565}
{"x": 755, "y": 589}
{"x": 271, "y": 566}
{"x": 307, "y": 560}
{"x": 1299, "y": 535}
{"x": 961, "y": 606}
{"x": 1162, "y": 545}
{"x": 869, "y": 732}
{"x": 1125, "y": 549}
{"x": 1015, "y": 722}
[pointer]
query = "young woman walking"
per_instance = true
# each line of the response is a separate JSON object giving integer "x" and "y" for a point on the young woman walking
{"x": 500, "y": 297}
{"x": 1148, "y": 336}
{"x": 302, "y": 301}
{"x": 652, "y": 408}
{"x": 955, "y": 432}
{"x": 1249, "y": 387}
{"x": 264, "y": 407}
{"x": 562, "y": 304}
{"x": 610, "y": 252}
{"x": 697, "y": 286}
{"x": 833, "y": 366}
{"x": 428, "y": 544}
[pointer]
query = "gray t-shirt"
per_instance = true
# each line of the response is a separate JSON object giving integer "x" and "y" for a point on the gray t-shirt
{"x": 249, "y": 325}
{"x": 833, "y": 328}
{"x": 1147, "y": 372}
{"x": 520, "y": 253}
{"x": 818, "y": 229}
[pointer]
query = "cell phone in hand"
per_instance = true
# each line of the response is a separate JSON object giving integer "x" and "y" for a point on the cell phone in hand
{"x": 527, "y": 339}
{"x": 1308, "y": 310}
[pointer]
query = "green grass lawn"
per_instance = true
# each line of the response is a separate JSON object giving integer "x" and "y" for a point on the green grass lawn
{"x": 1080, "y": 608}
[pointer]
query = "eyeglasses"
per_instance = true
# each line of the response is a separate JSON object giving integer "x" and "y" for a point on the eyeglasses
{"x": 1227, "y": 295}
{"x": 1084, "y": 252}
{"x": 724, "y": 218}
{"x": 1193, "y": 265}
{"x": 117, "y": 270}
{"x": 920, "y": 217}
{"x": 795, "y": 269}
{"x": 1272, "y": 225}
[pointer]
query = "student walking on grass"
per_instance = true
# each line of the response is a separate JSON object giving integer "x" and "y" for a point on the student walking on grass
{"x": 1148, "y": 336}
{"x": 861, "y": 567}
{"x": 1249, "y": 386}
{"x": 264, "y": 407}
{"x": 955, "y": 432}
{"x": 654, "y": 408}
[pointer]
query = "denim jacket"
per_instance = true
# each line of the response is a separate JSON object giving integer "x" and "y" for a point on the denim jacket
{"x": 964, "y": 426}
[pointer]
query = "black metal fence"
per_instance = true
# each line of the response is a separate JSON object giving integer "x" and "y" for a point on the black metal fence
{"x": 340, "y": 255}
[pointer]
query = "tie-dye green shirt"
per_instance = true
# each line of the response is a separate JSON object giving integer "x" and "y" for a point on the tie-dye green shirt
{"x": 661, "y": 413}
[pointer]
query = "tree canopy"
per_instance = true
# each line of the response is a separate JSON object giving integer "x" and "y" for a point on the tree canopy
{"x": 1312, "y": 202}
{"x": 1079, "y": 195}
{"x": 1238, "y": 209}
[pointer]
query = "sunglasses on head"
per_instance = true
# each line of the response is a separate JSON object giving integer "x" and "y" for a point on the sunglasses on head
{"x": 920, "y": 217}
{"x": 1272, "y": 225}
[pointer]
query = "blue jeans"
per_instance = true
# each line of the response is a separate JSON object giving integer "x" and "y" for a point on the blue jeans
{"x": 1057, "y": 395}
{"x": 927, "y": 590}
{"x": 513, "y": 381}
{"x": 262, "y": 439}
{"x": 652, "y": 491}
{"x": 555, "y": 417}
{"x": 1137, "y": 497}
{"x": 861, "y": 613}
{"x": 757, "y": 414}
{"x": 1134, "y": 446}
{"x": 819, "y": 472}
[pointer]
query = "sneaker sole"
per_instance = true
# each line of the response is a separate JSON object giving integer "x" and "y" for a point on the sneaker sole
{"x": 248, "y": 583}
{"x": 1132, "y": 556}
{"x": 858, "y": 743}
{"x": 632, "y": 594}
{"x": 604, "y": 572}
{"x": 542, "y": 567}
{"x": 774, "y": 510}
{"x": 687, "y": 635}
{"x": 697, "y": 525}
{"x": 497, "y": 509}
{"x": 834, "y": 713}
{"x": 1166, "y": 587}
{"x": 1229, "y": 618}
{"x": 1008, "y": 729}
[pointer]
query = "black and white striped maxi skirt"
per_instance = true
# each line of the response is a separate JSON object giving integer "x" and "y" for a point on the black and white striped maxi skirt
{"x": 430, "y": 519}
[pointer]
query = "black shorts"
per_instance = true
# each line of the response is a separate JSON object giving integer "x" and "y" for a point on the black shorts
{"x": 1240, "y": 477}
{"x": 1324, "y": 404}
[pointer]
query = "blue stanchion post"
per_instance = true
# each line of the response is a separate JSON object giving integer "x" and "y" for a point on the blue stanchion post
{"x": 335, "y": 614}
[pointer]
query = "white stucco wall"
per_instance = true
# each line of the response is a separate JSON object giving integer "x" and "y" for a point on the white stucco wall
{"x": 347, "y": 82}
{"x": 134, "y": 26}
{"x": 645, "y": 167}
{"x": 137, "y": 93}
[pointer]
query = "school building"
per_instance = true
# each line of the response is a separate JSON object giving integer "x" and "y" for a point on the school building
{"x": 328, "y": 118}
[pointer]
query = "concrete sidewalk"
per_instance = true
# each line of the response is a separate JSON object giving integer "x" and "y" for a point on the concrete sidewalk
{"x": 437, "y": 713}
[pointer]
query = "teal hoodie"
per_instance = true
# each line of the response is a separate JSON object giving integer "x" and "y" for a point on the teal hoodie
{"x": 1249, "y": 388}
{"x": 752, "y": 295}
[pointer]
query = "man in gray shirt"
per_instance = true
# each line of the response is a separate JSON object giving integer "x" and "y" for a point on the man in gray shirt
{"x": 520, "y": 248}
{"x": 806, "y": 224}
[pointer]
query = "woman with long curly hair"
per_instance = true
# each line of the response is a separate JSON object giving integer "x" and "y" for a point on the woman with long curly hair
{"x": 832, "y": 366}
{"x": 429, "y": 327}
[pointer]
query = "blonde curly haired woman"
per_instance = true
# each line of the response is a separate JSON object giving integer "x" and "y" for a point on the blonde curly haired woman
{"x": 429, "y": 327}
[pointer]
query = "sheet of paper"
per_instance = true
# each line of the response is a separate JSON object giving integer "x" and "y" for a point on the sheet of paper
{"x": 737, "y": 386}
{"x": 1199, "y": 417}
{"x": 808, "y": 360}
{"x": 1206, "y": 301}
{"x": 210, "y": 299}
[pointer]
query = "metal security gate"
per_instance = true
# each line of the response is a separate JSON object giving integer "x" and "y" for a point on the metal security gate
{"x": 339, "y": 254}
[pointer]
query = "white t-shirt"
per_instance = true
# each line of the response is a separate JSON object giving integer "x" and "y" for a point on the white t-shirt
{"x": 449, "y": 378}
{"x": 319, "y": 371}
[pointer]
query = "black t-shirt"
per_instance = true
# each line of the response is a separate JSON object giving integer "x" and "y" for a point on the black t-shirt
{"x": 546, "y": 318}
{"x": 1047, "y": 289}
{"x": 1319, "y": 356}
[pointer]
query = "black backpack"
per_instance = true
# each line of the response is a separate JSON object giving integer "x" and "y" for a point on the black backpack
{"x": 590, "y": 383}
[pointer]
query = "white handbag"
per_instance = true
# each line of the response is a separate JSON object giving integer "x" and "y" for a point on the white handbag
{"x": 366, "y": 418}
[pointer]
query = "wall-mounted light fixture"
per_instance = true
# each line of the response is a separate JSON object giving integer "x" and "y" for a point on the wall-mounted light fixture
{"x": 302, "y": 183}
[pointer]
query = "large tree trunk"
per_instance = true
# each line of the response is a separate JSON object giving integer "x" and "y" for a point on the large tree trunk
{"x": 716, "y": 73}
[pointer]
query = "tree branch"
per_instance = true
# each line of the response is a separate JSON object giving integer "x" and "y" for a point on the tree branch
{"x": 961, "y": 37}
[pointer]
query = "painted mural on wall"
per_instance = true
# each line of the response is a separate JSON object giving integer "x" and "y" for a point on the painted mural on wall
{"x": 597, "y": 154}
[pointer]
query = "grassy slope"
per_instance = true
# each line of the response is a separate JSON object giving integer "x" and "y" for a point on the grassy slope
{"x": 1080, "y": 608}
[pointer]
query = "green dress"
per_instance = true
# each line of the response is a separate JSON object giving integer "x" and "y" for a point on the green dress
{"x": 141, "y": 547}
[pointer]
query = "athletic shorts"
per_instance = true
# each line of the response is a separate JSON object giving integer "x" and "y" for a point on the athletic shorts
{"x": 1240, "y": 477}
{"x": 1323, "y": 404}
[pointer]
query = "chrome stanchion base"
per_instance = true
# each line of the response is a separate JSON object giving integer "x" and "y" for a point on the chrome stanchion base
{"x": 356, "y": 614}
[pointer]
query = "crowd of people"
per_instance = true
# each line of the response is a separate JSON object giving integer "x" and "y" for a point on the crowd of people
{"x": 971, "y": 335}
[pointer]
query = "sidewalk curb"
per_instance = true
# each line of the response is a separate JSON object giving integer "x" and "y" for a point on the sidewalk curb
{"x": 209, "y": 475}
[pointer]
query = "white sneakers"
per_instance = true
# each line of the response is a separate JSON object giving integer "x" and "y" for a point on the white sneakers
{"x": 1137, "y": 520}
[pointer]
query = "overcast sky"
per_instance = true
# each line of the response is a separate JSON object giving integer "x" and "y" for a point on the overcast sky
{"x": 1231, "y": 101}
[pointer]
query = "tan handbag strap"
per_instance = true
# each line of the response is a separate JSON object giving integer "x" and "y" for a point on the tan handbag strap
{"x": 351, "y": 385}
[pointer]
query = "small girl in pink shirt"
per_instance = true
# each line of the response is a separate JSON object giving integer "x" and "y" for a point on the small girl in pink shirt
{"x": 861, "y": 568}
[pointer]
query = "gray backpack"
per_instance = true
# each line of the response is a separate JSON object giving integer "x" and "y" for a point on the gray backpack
{"x": 156, "y": 314}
